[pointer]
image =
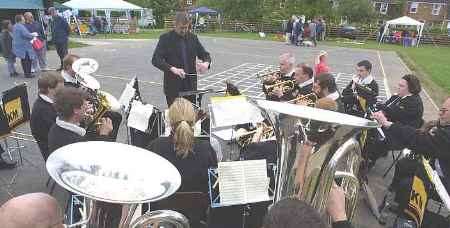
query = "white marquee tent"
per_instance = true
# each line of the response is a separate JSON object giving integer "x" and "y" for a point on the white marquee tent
{"x": 105, "y": 5}
{"x": 405, "y": 21}
{"x": 113, "y": 5}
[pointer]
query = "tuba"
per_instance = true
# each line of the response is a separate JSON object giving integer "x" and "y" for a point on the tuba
{"x": 114, "y": 187}
{"x": 315, "y": 148}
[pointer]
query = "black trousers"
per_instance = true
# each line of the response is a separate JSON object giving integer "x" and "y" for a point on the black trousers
{"x": 62, "y": 50}
{"x": 26, "y": 65}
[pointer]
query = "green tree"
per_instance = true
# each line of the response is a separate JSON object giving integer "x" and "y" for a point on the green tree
{"x": 357, "y": 11}
{"x": 161, "y": 8}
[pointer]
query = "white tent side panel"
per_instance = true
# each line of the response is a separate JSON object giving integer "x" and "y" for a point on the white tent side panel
{"x": 101, "y": 5}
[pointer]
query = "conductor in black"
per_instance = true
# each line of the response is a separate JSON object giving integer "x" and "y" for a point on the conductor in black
{"x": 176, "y": 55}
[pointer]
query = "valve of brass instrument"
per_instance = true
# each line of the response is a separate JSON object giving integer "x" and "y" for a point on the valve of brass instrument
{"x": 261, "y": 132}
{"x": 307, "y": 100}
{"x": 284, "y": 87}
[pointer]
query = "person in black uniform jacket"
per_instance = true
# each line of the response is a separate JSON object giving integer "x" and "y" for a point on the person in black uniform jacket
{"x": 432, "y": 141}
{"x": 293, "y": 213}
{"x": 175, "y": 55}
{"x": 287, "y": 71}
{"x": 406, "y": 106}
{"x": 43, "y": 115}
{"x": 190, "y": 155}
{"x": 72, "y": 106}
{"x": 70, "y": 81}
{"x": 361, "y": 93}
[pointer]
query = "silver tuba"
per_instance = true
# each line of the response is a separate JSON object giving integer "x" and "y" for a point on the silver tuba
{"x": 115, "y": 178}
{"x": 315, "y": 148}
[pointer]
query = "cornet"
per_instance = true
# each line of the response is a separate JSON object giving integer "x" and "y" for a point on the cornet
{"x": 286, "y": 86}
{"x": 309, "y": 99}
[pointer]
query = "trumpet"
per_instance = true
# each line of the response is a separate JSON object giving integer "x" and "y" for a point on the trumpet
{"x": 286, "y": 86}
{"x": 309, "y": 99}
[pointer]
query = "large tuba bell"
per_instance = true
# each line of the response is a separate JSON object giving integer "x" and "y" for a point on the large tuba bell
{"x": 102, "y": 101}
{"x": 105, "y": 173}
{"x": 316, "y": 148}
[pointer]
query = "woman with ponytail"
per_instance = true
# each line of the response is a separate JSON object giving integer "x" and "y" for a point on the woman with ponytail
{"x": 190, "y": 155}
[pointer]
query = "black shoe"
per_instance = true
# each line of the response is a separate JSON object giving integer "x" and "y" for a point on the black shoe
{"x": 30, "y": 75}
{"x": 7, "y": 165}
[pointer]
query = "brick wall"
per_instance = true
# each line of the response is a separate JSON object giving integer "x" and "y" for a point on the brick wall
{"x": 424, "y": 12}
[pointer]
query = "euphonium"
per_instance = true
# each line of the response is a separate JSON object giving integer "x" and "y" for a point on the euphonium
{"x": 309, "y": 99}
{"x": 316, "y": 148}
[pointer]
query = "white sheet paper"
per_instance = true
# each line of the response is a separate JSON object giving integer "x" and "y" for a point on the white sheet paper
{"x": 242, "y": 182}
{"x": 440, "y": 189}
{"x": 233, "y": 110}
{"x": 140, "y": 115}
{"x": 126, "y": 96}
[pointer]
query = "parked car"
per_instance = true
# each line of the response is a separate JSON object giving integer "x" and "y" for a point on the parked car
{"x": 348, "y": 31}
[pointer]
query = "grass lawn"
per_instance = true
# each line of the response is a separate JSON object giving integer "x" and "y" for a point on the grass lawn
{"x": 431, "y": 63}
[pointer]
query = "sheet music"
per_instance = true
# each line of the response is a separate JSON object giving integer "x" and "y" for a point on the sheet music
{"x": 233, "y": 110}
{"x": 242, "y": 182}
{"x": 140, "y": 115}
{"x": 440, "y": 189}
{"x": 126, "y": 96}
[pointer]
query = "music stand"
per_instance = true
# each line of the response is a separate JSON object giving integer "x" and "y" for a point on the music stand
{"x": 214, "y": 193}
{"x": 17, "y": 111}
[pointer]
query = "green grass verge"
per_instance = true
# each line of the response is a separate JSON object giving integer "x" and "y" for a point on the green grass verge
{"x": 72, "y": 44}
{"x": 430, "y": 63}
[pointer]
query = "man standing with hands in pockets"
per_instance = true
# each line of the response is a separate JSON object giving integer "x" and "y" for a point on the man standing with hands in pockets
{"x": 176, "y": 55}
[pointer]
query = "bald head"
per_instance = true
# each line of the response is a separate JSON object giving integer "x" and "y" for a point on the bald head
{"x": 37, "y": 210}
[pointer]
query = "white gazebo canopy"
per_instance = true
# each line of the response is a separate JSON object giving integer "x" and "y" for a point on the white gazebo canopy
{"x": 113, "y": 5}
{"x": 405, "y": 21}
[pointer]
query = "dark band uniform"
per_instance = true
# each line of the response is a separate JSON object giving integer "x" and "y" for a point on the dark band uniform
{"x": 364, "y": 95}
{"x": 43, "y": 116}
{"x": 407, "y": 110}
{"x": 115, "y": 117}
{"x": 432, "y": 144}
{"x": 281, "y": 78}
{"x": 174, "y": 50}
{"x": 193, "y": 168}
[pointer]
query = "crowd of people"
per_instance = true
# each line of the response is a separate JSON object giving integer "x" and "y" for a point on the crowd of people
{"x": 298, "y": 30}
{"x": 28, "y": 40}
{"x": 61, "y": 116}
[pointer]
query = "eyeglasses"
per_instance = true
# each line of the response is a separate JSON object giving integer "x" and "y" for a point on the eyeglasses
{"x": 444, "y": 110}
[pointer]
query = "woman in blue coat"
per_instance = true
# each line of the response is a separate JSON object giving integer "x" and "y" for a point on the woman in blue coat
{"x": 22, "y": 47}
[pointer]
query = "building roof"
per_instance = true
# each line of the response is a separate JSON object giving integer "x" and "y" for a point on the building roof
{"x": 22, "y": 4}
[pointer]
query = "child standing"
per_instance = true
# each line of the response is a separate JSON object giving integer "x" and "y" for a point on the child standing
{"x": 6, "y": 42}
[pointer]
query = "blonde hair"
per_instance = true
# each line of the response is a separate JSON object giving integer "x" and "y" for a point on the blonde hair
{"x": 182, "y": 119}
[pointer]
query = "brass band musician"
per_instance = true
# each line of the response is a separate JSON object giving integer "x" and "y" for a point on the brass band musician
{"x": 287, "y": 71}
{"x": 72, "y": 107}
{"x": 71, "y": 80}
{"x": 361, "y": 93}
